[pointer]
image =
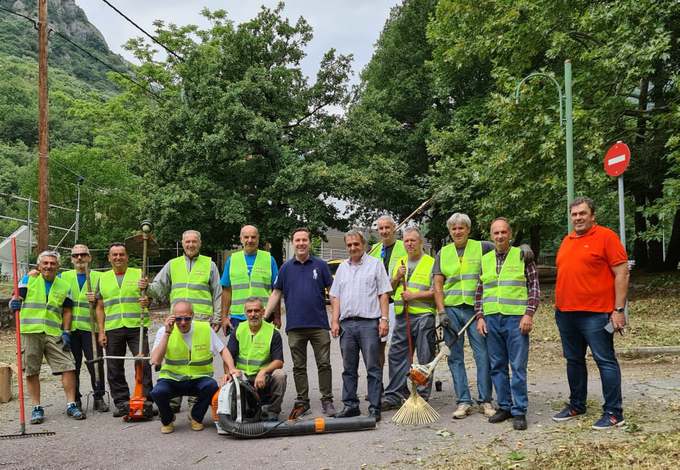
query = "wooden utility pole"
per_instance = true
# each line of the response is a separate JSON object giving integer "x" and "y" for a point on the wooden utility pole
{"x": 43, "y": 141}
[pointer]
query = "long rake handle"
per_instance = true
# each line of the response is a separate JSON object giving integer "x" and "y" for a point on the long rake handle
{"x": 17, "y": 317}
{"x": 93, "y": 315}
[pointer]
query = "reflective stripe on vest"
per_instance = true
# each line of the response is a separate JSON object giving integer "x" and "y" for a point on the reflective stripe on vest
{"x": 506, "y": 292}
{"x": 461, "y": 274}
{"x": 121, "y": 304}
{"x": 253, "y": 350}
{"x": 81, "y": 307}
{"x": 421, "y": 280}
{"x": 398, "y": 252}
{"x": 40, "y": 313}
{"x": 192, "y": 286}
{"x": 180, "y": 363}
{"x": 258, "y": 284}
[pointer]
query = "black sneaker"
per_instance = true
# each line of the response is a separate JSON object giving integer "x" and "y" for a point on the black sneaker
{"x": 348, "y": 412}
{"x": 373, "y": 413}
{"x": 566, "y": 414}
{"x": 519, "y": 422}
{"x": 328, "y": 408}
{"x": 500, "y": 416}
{"x": 120, "y": 411}
{"x": 100, "y": 405}
{"x": 388, "y": 405}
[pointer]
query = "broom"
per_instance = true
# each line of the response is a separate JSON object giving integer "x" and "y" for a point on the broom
{"x": 415, "y": 409}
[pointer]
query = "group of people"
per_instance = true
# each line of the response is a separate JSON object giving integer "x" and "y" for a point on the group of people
{"x": 393, "y": 292}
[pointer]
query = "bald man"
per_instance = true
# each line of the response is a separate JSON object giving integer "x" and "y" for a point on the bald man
{"x": 249, "y": 272}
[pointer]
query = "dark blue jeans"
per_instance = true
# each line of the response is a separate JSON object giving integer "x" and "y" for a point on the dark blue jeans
{"x": 459, "y": 316}
{"x": 578, "y": 331}
{"x": 507, "y": 345}
{"x": 203, "y": 389}
{"x": 358, "y": 335}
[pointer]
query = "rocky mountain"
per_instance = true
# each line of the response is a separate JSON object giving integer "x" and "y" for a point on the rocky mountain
{"x": 18, "y": 38}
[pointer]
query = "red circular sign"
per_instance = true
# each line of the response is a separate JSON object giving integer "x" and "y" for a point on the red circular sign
{"x": 617, "y": 159}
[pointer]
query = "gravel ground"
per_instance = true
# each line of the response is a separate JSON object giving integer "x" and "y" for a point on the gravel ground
{"x": 104, "y": 442}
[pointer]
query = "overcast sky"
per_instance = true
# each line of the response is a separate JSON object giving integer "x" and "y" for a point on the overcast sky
{"x": 350, "y": 26}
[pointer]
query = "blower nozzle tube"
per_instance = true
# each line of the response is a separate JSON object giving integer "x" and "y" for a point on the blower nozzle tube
{"x": 295, "y": 428}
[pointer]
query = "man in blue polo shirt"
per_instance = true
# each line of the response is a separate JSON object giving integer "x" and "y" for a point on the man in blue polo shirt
{"x": 302, "y": 281}
{"x": 251, "y": 284}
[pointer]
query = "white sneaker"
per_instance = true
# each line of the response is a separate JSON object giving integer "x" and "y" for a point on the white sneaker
{"x": 462, "y": 411}
{"x": 488, "y": 409}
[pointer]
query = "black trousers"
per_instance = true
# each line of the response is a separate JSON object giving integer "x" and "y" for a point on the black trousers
{"x": 117, "y": 340}
{"x": 81, "y": 344}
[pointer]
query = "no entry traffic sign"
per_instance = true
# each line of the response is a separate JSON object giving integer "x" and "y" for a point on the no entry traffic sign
{"x": 617, "y": 159}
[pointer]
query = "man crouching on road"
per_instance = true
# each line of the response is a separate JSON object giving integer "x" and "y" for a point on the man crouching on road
{"x": 187, "y": 356}
{"x": 257, "y": 348}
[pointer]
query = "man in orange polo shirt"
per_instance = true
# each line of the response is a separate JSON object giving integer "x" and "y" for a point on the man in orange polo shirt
{"x": 590, "y": 296}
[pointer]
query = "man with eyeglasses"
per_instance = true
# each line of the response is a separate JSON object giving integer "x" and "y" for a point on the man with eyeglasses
{"x": 186, "y": 350}
{"x": 81, "y": 327}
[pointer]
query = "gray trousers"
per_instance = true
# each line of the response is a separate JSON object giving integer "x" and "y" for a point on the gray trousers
{"x": 423, "y": 335}
{"x": 274, "y": 389}
{"x": 360, "y": 336}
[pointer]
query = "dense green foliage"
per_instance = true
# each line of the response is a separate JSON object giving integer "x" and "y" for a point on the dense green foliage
{"x": 489, "y": 156}
{"x": 235, "y": 133}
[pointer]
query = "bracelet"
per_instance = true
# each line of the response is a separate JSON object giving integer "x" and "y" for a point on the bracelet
{"x": 385, "y": 319}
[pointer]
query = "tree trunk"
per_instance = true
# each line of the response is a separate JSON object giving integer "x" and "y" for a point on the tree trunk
{"x": 673, "y": 254}
{"x": 535, "y": 240}
{"x": 640, "y": 246}
{"x": 277, "y": 250}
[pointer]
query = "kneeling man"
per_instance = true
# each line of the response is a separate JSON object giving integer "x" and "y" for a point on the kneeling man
{"x": 258, "y": 351}
{"x": 186, "y": 350}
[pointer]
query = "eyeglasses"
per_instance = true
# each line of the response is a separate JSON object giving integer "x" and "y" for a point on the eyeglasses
{"x": 183, "y": 319}
{"x": 80, "y": 255}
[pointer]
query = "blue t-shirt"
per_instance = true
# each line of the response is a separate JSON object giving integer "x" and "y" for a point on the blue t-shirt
{"x": 303, "y": 287}
{"x": 250, "y": 261}
{"x": 81, "y": 281}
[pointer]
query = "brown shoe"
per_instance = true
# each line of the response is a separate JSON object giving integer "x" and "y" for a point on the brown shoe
{"x": 327, "y": 408}
{"x": 299, "y": 409}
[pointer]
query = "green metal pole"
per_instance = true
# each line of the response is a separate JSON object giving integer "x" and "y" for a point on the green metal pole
{"x": 569, "y": 138}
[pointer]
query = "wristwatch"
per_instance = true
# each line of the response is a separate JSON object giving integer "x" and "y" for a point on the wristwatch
{"x": 385, "y": 319}
{"x": 620, "y": 309}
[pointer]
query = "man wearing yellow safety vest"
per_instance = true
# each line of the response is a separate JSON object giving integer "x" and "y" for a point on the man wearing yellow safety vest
{"x": 81, "y": 324}
{"x": 46, "y": 308}
{"x": 247, "y": 273}
{"x": 186, "y": 349}
{"x": 456, "y": 272}
{"x": 257, "y": 349}
{"x": 506, "y": 299}
{"x": 192, "y": 277}
{"x": 389, "y": 250}
{"x": 415, "y": 270}
{"x": 119, "y": 308}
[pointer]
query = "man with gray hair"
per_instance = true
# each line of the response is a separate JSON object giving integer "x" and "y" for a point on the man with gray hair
{"x": 456, "y": 272}
{"x": 414, "y": 308}
{"x": 46, "y": 308}
{"x": 359, "y": 299}
{"x": 191, "y": 277}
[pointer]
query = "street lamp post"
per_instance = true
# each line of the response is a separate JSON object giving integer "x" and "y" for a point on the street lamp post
{"x": 566, "y": 120}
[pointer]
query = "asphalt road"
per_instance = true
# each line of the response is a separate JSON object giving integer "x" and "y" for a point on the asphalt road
{"x": 102, "y": 441}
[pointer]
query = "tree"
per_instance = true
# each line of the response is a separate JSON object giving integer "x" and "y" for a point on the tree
{"x": 237, "y": 134}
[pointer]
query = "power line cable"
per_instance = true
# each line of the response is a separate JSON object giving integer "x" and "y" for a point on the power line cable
{"x": 16, "y": 13}
{"x": 150, "y": 36}
{"x": 85, "y": 51}
{"x": 105, "y": 64}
